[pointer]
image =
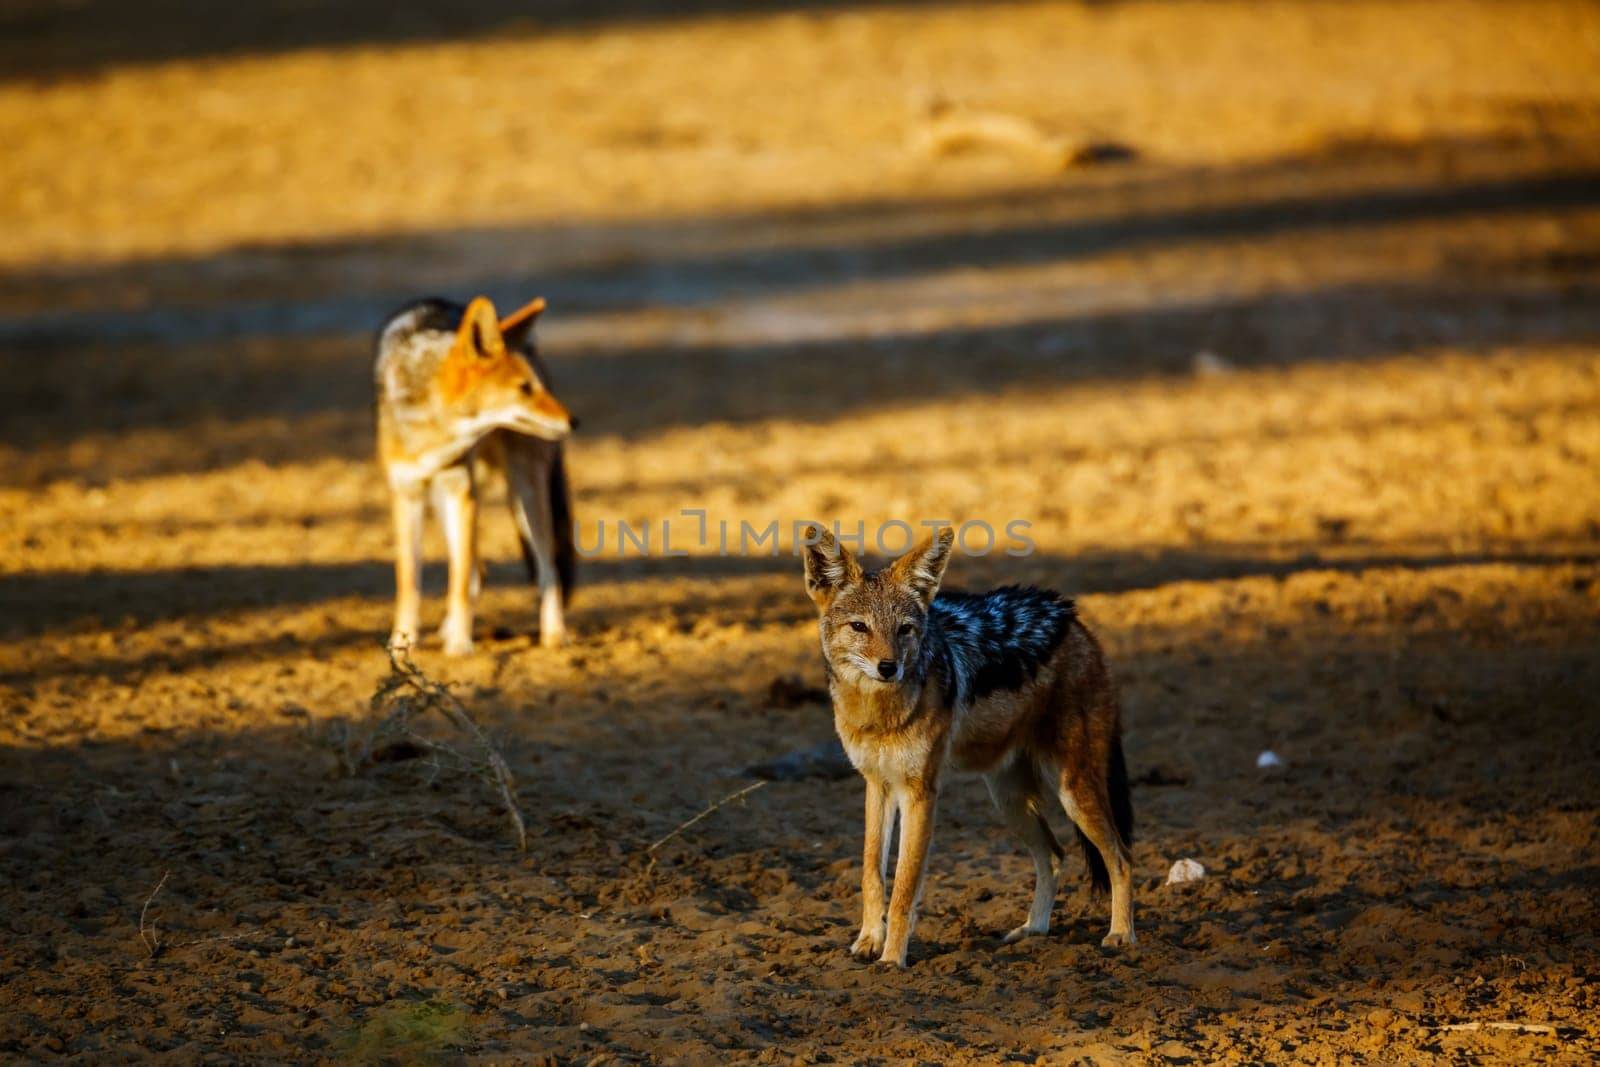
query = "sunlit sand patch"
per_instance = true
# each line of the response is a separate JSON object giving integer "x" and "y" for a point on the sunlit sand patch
{"x": 631, "y": 120}
{"x": 1450, "y": 450}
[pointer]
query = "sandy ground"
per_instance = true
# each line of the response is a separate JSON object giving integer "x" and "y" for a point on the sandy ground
{"x": 1281, "y": 326}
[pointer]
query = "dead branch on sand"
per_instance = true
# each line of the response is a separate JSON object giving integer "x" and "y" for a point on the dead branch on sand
{"x": 151, "y": 938}
{"x": 1514, "y": 1027}
{"x": 724, "y": 802}
{"x": 407, "y": 695}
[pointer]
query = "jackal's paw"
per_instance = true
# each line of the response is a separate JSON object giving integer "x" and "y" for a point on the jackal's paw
{"x": 1025, "y": 930}
{"x": 868, "y": 943}
{"x": 1114, "y": 940}
{"x": 456, "y": 644}
{"x": 894, "y": 959}
{"x": 552, "y": 638}
{"x": 402, "y": 640}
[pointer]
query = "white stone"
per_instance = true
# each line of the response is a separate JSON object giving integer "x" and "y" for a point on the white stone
{"x": 1185, "y": 870}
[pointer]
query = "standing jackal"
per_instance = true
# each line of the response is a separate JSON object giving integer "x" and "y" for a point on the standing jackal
{"x": 1009, "y": 684}
{"x": 457, "y": 386}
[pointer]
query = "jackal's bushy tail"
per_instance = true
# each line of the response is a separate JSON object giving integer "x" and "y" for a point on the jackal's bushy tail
{"x": 561, "y": 518}
{"x": 1121, "y": 798}
{"x": 561, "y": 515}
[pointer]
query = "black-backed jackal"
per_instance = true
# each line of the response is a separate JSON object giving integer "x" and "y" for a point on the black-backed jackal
{"x": 1009, "y": 684}
{"x": 457, "y": 387}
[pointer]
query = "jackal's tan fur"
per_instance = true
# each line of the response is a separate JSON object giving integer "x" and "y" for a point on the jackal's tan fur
{"x": 458, "y": 389}
{"x": 1008, "y": 684}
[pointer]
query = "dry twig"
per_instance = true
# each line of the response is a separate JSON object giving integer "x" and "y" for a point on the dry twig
{"x": 152, "y": 938}
{"x": 725, "y": 801}
{"x": 408, "y": 694}
{"x": 1521, "y": 1028}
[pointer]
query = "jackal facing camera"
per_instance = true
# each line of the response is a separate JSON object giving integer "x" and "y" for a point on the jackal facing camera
{"x": 1009, "y": 684}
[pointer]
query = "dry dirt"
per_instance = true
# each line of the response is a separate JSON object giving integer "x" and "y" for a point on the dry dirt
{"x": 1279, "y": 323}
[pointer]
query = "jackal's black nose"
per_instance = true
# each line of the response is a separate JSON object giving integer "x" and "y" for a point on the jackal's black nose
{"x": 887, "y": 668}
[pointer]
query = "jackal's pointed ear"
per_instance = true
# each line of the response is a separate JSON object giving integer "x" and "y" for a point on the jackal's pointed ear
{"x": 517, "y": 327}
{"x": 830, "y": 569}
{"x": 479, "y": 335}
{"x": 921, "y": 569}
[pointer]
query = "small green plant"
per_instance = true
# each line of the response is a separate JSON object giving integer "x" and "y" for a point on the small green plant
{"x": 407, "y": 1032}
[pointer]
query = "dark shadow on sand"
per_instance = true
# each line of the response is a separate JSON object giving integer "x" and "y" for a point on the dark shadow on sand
{"x": 50, "y": 39}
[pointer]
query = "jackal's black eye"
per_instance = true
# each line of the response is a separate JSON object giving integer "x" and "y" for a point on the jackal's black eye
{"x": 858, "y": 626}
{"x": 527, "y": 388}
{"x": 905, "y": 628}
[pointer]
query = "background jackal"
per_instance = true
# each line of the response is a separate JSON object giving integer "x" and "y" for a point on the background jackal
{"x": 1009, "y": 684}
{"x": 458, "y": 388}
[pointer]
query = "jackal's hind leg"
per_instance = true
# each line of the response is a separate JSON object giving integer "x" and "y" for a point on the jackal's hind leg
{"x": 1015, "y": 792}
{"x": 1090, "y": 809}
{"x": 528, "y": 486}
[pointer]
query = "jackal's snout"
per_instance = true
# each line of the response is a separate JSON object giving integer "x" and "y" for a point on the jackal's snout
{"x": 546, "y": 416}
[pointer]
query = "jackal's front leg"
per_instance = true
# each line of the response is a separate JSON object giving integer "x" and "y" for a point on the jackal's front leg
{"x": 407, "y": 507}
{"x": 874, "y": 860}
{"x": 916, "y": 836}
{"x": 455, "y": 500}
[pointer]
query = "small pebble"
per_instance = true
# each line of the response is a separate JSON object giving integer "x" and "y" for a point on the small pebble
{"x": 1185, "y": 870}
